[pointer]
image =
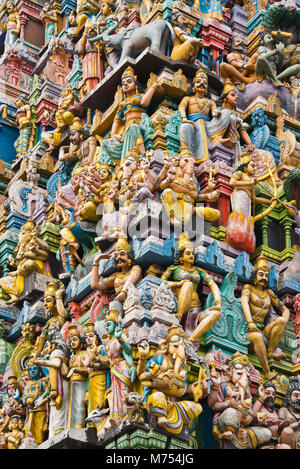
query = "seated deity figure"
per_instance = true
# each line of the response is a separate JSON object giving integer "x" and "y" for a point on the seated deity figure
{"x": 290, "y": 411}
{"x": 166, "y": 391}
{"x": 127, "y": 120}
{"x": 184, "y": 278}
{"x": 82, "y": 146}
{"x": 201, "y": 120}
{"x": 185, "y": 47}
{"x": 181, "y": 191}
{"x": 31, "y": 254}
{"x": 257, "y": 300}
{"x": 239, "y": 67}
{"x": 126, "y": 271}
{"x": 231, "y": 402}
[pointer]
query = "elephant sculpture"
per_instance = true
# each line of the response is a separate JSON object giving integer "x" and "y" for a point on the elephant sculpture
{"x": 131, "y": 42}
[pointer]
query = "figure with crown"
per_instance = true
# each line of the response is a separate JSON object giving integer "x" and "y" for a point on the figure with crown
{"x": 78, "y": 373}
{"x": 122, "y": 368}
{"x": 164, "y": 378}
{"x": 258, "y": 301}
{"x": 98, "y": 368}
{"x": 231, "y": 401}
{"x": 201, "y": 119}
{"x": 126, "y": 134}
{"x": 240, "y": 226}
{"x": 82, "y": 146}
{"x": 31, "y": 255}
{"x": 184, "y": 278}
{"x": 127, "y": 273}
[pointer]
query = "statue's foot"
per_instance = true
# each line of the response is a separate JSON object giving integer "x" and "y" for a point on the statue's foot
{"x": 276, "y": 356}
{"x": 271, "y": 375}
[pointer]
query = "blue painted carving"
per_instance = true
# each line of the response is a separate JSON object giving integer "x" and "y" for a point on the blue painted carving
{"x": 149, "y": 252}
{"x": 215, "y": 256}
{"x": 261, "y": 135}
{"x": 24, "y": 198}
{"x": 243, "y": 267}
{"x": 147, "y": 287}
{"x": 62, "y": 176}
{"x": 273, "y": 277}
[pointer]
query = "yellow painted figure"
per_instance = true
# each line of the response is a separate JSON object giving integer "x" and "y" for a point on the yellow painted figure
{"x": 184, "y": 278}
{"x": 98, "y": 366}
{"x": 30, "y": 255}
{"x": 35, "y": 398}
{"x": 15, "y": 437}
{"x": 164, "y": 378}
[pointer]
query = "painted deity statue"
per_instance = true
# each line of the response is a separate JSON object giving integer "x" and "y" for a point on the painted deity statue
{"x": 15, "y": 436}
{"x": 185, "y": 47}
{"x": 88, "y": 48}
{"x": 181, "y": 191}
{"x": 296, "y": 304}
{"x": 266, "y": 414}
{"x": 126, "y": 273}
{"x": 239, "y": 67}
{"x": 167, "y": 393}
{"x": 291, "y": 411}
{"x": 122, "y": 368}
{"x": 271, "y": 55}
{"x": 53, "y": 301}
{"x": 240, "y": 226}
{"x": 231, "y": 402}
{"x": 126, "y": 134}
{"x": 82, "y": 146}
{"x": 35, "y": 399}
{"x": 98, "y": 368}
{"x": 257, "y": 300}
{"x": 50, "y": 20}
{"x": 85, "y": 8}
{"x": 64, "y": 116}
{"x": 12, "y": 405}
{"x": 201, "y": 120}
{"x": 78, "y": 366}
{"x": 184, "y": 278}
{"x": 31, "y": 254}
{"x": 54, "y": 357}
{"x": 25, "y": 123}
{"x": 11, "y": 25}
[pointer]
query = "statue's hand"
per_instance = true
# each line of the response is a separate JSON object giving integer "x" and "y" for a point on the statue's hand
{"x": 253, "y": 328}
{"x": 250, "y": 147}
{"x": 216, "y": 113}
{"x": 143, "y": 349}
{"x": 117, "y": 137}
{"x": 215, "y": 378}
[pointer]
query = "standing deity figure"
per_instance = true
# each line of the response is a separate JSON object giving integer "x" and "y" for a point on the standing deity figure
{"x": 185, "y": 47}
{"x": 239, "y": 67}
{"x": 98, "y": 368}
{"x": 231, "y": 402}
{"x": 78, "y": 366}
{"x": 184, "y": 278}
{"x": 122, "y": 368}
{"x": 88, "y": 48}
{"x": 12, "y": 24}
{"x": 24, "y": 122}
{"x": 50, "y": 20}
{"x": 257, "y": 301}
{"x": 54, "y": 357}
{"x": 31, "y": 254}
{"x": 126, "y": 273}
{"x": 35, "y": 397}
{"x": 15, "y": 436}
{"x": 240, "y": 226}
{"x": 53, "y": 301}
{"x": 291, "y": 411}
{"x": 167, "y": 393}
{"x": 266, "y": 414}
{"x": 201, "y": 120}
{"x": 181, "y": 191}
{"x": 126, "y": 134}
